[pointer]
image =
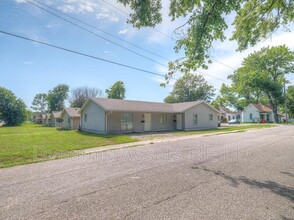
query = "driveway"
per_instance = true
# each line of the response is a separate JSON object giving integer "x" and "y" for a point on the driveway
{"x": 246, "y": 175}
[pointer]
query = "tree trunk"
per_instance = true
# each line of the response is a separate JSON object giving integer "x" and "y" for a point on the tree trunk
{"x": 275, "y": 108}
{"x": 276, "y": 117}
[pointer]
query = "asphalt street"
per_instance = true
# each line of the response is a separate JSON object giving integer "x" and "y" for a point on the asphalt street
{"x": 248, "y": 175}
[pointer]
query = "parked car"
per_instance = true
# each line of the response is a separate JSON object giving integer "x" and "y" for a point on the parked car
{"x": 234, "y": 121}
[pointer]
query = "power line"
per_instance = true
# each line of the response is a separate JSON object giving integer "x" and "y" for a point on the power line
{"x": 98, "y": 29}
{"x": 223, "y": 63}
{"x": 85, "y": 55}
{"x": 128, "y": 15}
{"x": 97, "y": 35}
{"x": 213, "y": 77}
{"x": 164, "y": 33}
{"x": 80, "y": 53}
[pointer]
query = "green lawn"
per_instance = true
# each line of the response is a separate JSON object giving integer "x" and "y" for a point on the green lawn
{"x": 31, "y": 143}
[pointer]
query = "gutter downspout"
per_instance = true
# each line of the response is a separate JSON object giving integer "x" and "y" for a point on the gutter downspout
{"x": 106, "y": 121}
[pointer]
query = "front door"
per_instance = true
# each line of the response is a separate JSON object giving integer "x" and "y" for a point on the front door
{"x": 147, "y": 123}
{"x": 179, "y": 122}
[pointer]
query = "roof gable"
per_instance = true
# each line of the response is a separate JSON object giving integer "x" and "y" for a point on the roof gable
{"x": 262, "y": 108}
{"x": 224, "y": 110}
{"x": 142, "y": 106}
{"x": 56, "y": 114}
{"x": 72, "y": 112}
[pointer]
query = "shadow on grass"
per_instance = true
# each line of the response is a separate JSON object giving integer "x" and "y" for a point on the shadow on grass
{"x": 274, "y": 187}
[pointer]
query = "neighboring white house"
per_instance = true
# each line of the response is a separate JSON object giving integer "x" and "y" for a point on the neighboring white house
{"x": 257, "y": 113}
{"x": 71, "y": 118}
{"x": 227, "y": 115}
{"x": 100, "y": 115}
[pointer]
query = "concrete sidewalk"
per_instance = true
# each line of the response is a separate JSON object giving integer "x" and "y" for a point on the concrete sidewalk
{"x": 156, "y": 140}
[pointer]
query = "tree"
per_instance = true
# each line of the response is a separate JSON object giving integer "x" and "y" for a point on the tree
{"x": 116, "y": 91}
{"x": 290, "y": 101}
{"x": 254, "y": 20}
{"x": 12, "y": 109}
{"x": 81, "y": 94}
{"x": 40, "y": 103}
{"x": 265, "y": 71}
{"x": 29, "y": 114}
{"x": 190, "y": 87}
{"x": 56, "y": 97}
{"x": 238, "y": 97}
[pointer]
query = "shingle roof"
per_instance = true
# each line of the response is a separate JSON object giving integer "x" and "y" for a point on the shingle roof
{"x": 262, "y": 108}
{"x": 72, "y": 112}
{"x": 56, "y": 114}
{"x": 44, "y": 116}
{"x": 143, "y": 106}
{"x": 224, "y": 110}
{"x": 38, "y": 116}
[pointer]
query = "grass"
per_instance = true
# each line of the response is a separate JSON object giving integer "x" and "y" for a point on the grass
{"x": 31, "y": 143}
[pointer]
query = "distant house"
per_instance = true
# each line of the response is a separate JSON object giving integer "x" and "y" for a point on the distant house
{"x": 44, "y": 119}
{"x": 54, "y": 116}
{"x": 100, "y": 115}
{"x": 227, "y": 115}
{"x": 48, "y": 120}
{"x": 258, "y": 113}
{"x": 71, "y": 118}
{"x": 37, "y": 118}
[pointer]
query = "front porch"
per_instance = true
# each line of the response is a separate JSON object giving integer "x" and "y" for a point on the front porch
{"x": 266, "y": 117}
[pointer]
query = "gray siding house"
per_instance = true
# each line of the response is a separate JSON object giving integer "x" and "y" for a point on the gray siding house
{"x": 54, "y": 116}
{"x": 101, "y": 115}
{"x": 71, "y": 118}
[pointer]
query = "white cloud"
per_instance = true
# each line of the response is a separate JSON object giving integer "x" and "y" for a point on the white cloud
{"x": 109, "y": 16}
{"x": 67, "y": 8}
{"x": 123, "y": 31}
{"x": 102, "y": 10}
{"x": 108, "y": 53}
{"x": 53, "y": 25}
{"x": 20, "y": 1}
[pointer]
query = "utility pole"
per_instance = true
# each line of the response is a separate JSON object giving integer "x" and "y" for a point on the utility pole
{"x": 285, "y": 101}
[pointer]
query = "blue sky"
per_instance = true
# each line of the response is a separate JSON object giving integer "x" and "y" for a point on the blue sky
{"x": 28, "y": 68}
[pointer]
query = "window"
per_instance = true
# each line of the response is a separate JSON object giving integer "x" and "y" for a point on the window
{"x": 195, "y": 119}
{"x": 163, "y": 119}
{"x": 126, "y": 122}
{"x": 251, "y": 116}
{"x": 126, "y": 118}
{"x": 210, "y": 117}
{"x": 85, "y": 117}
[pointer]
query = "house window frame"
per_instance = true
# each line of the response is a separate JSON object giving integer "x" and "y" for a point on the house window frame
{"x": 210, "y": 117}
{"x": 195, "y": 119}
{"x": 163, "y": 118}
{"x": 85, "y": 117}
{"x": 126, "y": 121}
{"x": 251, "y": 116}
